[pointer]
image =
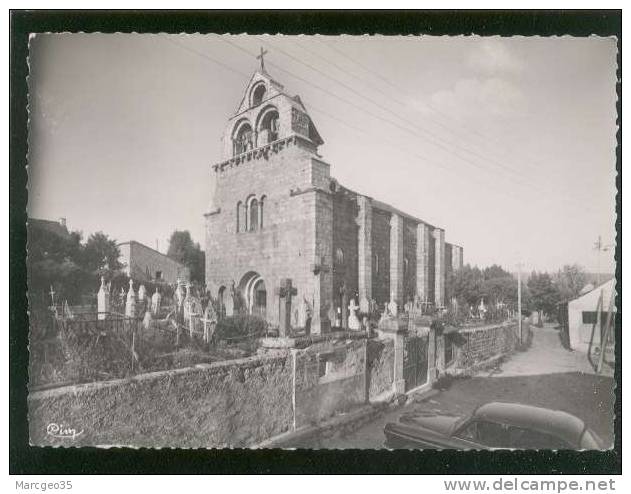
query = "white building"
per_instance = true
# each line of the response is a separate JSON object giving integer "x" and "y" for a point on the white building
{"x": 582, "y": 315}
{"x": 143, "y": 263}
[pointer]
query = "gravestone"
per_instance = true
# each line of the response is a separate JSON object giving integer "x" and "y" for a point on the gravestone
{"x": 147, "y": 320}
{"x": 179, "y": 294}
{"x": 130, "y": 306}
{"x": 364, "y": 305}
{"x": 142, "y": 293}
{"x": 332, "y": 317}
{"x": 156, "y": 298}
{"x": 303, "y": 313}
{"x": 103, "y": 300}
{"x": 320, "y": 320}
{"x": 353, "y": 322}
{"x": 285, "y": 293}
{"x": 393, "y": 309}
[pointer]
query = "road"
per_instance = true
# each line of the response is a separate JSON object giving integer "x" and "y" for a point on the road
{"x": 546, "y": 375}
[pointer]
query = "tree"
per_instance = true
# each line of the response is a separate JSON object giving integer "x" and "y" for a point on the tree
{"x": 570, "y": 280}
{"x": 467, "y": 284}
{"x": 544, "y": 294}
{"x": 184, "y": 250}
{"x": 101, "y": 254}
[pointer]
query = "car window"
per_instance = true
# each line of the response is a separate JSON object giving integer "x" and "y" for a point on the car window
{"x": 486, "y": 433}
{"x": 589, "y": 441}
{"x": 530, "y": 439}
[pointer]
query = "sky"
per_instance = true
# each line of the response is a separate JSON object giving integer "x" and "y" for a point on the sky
{"x": 507, "y": 143}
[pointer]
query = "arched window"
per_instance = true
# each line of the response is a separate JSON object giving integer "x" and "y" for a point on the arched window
{"x": 405, "y": 265}
{"x": 240, "y": 224}
{"x": 268, "y": 126}
{"x": 253, "y": 212}
{"x": 261, "y": 203}
{"x": 258, "y": 94}
{"x": 339, "y": 257}
{"x": 243, "y": 139}
{"x": 376, "y": 263}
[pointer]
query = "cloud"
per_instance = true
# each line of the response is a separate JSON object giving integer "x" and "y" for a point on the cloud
{"x": 493, "y": 57}
{"x": 475, "y": 99}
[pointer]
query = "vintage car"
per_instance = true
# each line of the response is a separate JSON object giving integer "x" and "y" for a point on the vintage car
{"x": 492, "y": 426}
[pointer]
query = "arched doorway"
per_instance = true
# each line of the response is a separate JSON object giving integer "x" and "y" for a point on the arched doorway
{"x": 252, "y": 288}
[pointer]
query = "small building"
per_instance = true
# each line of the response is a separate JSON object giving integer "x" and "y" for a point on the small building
{"x": 579, "y": 316}
{"x": 145, "y": 264}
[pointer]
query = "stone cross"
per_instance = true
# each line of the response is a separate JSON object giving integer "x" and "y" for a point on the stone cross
{"x": 285, "y": 292}
{"x": 262, "y": 59}
{"x": 52, "y": 296}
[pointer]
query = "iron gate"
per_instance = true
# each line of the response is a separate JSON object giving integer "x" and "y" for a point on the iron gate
{"x": 415, "y": 362}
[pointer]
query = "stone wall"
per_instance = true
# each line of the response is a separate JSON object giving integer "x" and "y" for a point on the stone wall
{"x": 234, "y": 403}
{"x": 286, "y": 245}
{"x": 330, "y": 378}
{"x": 381, "y": 251}
{"x": 409, "y": 260}
{"x": 379, "y": 367}
{"x": 345, "y": 230}
{"x": 475, "y": 346}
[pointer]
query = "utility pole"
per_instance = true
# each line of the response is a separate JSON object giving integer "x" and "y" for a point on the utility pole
{"x": 519, "y": 300}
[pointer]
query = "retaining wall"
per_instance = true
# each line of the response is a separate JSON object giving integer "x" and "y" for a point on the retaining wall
{"x": 233, "y": 403}
{"x": 379, "y": 367}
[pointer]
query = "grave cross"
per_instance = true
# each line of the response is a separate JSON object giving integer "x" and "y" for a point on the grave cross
{"x": 52, "y": 296}
{"x": 285, "y": 292}
{"x": 262, "y": 59}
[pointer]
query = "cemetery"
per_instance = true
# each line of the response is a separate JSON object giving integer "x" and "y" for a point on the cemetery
{"x": 173, "y": 373}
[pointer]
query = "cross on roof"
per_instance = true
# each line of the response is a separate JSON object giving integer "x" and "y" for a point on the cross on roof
{"x": 261, "y": 57}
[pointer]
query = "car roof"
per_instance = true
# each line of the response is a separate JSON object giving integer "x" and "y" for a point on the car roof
{"x": 561, "y": 424}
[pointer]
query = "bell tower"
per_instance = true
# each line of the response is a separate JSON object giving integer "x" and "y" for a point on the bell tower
{"x": 267, "y": 114}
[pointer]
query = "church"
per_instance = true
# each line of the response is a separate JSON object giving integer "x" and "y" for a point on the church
{"x": 278, "y": 217}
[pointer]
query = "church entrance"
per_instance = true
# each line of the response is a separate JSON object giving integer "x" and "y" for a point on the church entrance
{"x": 254, "y": 293}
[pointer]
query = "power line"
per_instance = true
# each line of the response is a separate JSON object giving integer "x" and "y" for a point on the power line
{"x": 490, "y": 140}
{"x": 203, "y": 55}
{"x": 434, "y": 139}
{"x": 393, "y": 144}
{"x": 378, "y": 117}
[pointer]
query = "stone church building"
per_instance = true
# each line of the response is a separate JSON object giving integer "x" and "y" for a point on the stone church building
{"x": 277, "y": 213}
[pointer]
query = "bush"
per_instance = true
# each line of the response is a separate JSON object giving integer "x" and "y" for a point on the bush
{"x": 240, "y": 326}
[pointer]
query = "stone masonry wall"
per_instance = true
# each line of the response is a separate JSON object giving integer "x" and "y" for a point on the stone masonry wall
{"x": 286, "y": 246}
{"x": 379, "y": 367}
{"x": 330, "y": 378}
{"x": 409, "y": 263}
{"x": 345, "y": 238}
{"x": 477, "y": 345}
{"x": 381, "y": 248}
{"x": 236, "y": 403}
